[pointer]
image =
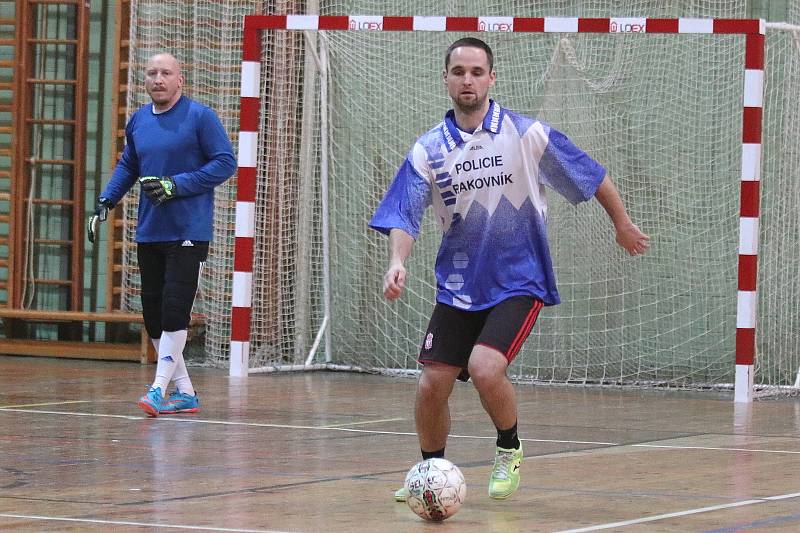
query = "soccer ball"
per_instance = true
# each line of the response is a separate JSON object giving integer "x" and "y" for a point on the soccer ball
{"x": 436, "y": 489}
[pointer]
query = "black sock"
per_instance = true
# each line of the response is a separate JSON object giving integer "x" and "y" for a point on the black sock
{"x": 507, "y": 438}
{"x": 432, "y": 455}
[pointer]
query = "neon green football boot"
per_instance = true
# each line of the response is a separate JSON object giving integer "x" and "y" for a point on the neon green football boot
{"x": 505, "y": 474}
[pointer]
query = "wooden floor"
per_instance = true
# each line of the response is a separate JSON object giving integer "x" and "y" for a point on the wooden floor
{"x": 323, "y": 452}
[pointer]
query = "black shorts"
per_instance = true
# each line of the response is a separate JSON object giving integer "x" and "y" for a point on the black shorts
{"x": 170, "y": 273}
{"x": 453, "y": 333}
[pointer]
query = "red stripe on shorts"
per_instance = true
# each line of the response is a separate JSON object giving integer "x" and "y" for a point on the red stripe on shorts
{"x": 525, "y": 330}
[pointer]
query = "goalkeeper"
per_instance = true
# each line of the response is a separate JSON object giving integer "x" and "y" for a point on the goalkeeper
{"x": 483, "y": 169}
{"x": 178, "y": 152}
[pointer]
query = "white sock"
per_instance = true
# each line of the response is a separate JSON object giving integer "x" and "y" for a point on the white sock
{"x": 181, "y": 375}
{"x": 181, "y": 378}
{"x": 158, "y": 361}
{"x": 170, "y": 357}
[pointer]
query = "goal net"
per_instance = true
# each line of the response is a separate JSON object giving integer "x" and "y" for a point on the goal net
{"x": 778, "y": 357}
{"x": 668, "y": 127}
{"x": 662, "y": 112}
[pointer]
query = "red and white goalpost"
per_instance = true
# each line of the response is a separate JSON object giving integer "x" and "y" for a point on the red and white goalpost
{"x": 249, "y": 157}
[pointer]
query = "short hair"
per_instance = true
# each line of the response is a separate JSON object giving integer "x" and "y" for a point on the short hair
{"x": 472, "y": 42}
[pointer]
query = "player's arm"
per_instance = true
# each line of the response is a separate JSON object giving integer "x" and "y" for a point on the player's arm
{"x": 220, "y": 161}
{"x": 126, "y": 171}
{"x": 400, "y": 246}
{"x": 122, "y": 179}
{"x": 577, "y": 177}
{"x": 399, "y": 216}
{"x": 628, "y": 234}
{"x": 220, "y": 165}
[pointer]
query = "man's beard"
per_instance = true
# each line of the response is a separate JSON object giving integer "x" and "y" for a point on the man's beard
{"x": 469, "y": 107}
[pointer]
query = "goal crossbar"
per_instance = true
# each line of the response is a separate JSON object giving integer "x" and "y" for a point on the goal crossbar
{"x": 751, "y": 133}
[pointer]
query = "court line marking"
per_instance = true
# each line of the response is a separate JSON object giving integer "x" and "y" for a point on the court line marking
{"x": 710, "y": 448}
{"x": 343, "y": 424}
{"x": 285, "y": 426}
{"x": 72, "y": 413}
{"x": 144, "y": 524}
{"x": 63, "y": 402}
{"x": 699, "y": 510}
{"x": 397, "y": 433}
{"x": 756, "y": 524}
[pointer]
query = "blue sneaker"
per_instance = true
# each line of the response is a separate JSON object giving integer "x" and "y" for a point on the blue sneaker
{"x": 150, "y": 403}
{"x": 180, "y": 402}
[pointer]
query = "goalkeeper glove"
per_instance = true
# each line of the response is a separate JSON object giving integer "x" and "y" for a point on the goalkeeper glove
{"x": 100, "y": 215}
{"x": 158, "y": 189}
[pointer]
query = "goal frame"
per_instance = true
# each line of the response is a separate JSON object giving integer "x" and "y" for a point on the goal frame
{"x": 250, "y": 99}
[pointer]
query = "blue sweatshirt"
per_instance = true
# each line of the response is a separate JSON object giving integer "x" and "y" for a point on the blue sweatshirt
{"x": 187, "y": 143}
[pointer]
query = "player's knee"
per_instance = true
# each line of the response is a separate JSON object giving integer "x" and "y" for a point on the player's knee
{"x": 486, "y": 376}
{"x": 175, "y": 313}
{"x": 481, "y": 380}
{"x": 151, "y": 300}
{"x": 435, "y": 386}
{"x": 429, "y": 396}
{"x": 427, "y": 391}
{"x": 151, "y": 310}
{"x": 153, "y": 326}
{"x": 174, "y": 322}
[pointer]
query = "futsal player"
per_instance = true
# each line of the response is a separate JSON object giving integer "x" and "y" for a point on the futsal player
{"x": 178, "y": 152}
{"x": 483, "y": 170}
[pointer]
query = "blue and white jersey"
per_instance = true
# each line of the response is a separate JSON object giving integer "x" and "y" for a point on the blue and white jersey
{"x": 487, "y": 192}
